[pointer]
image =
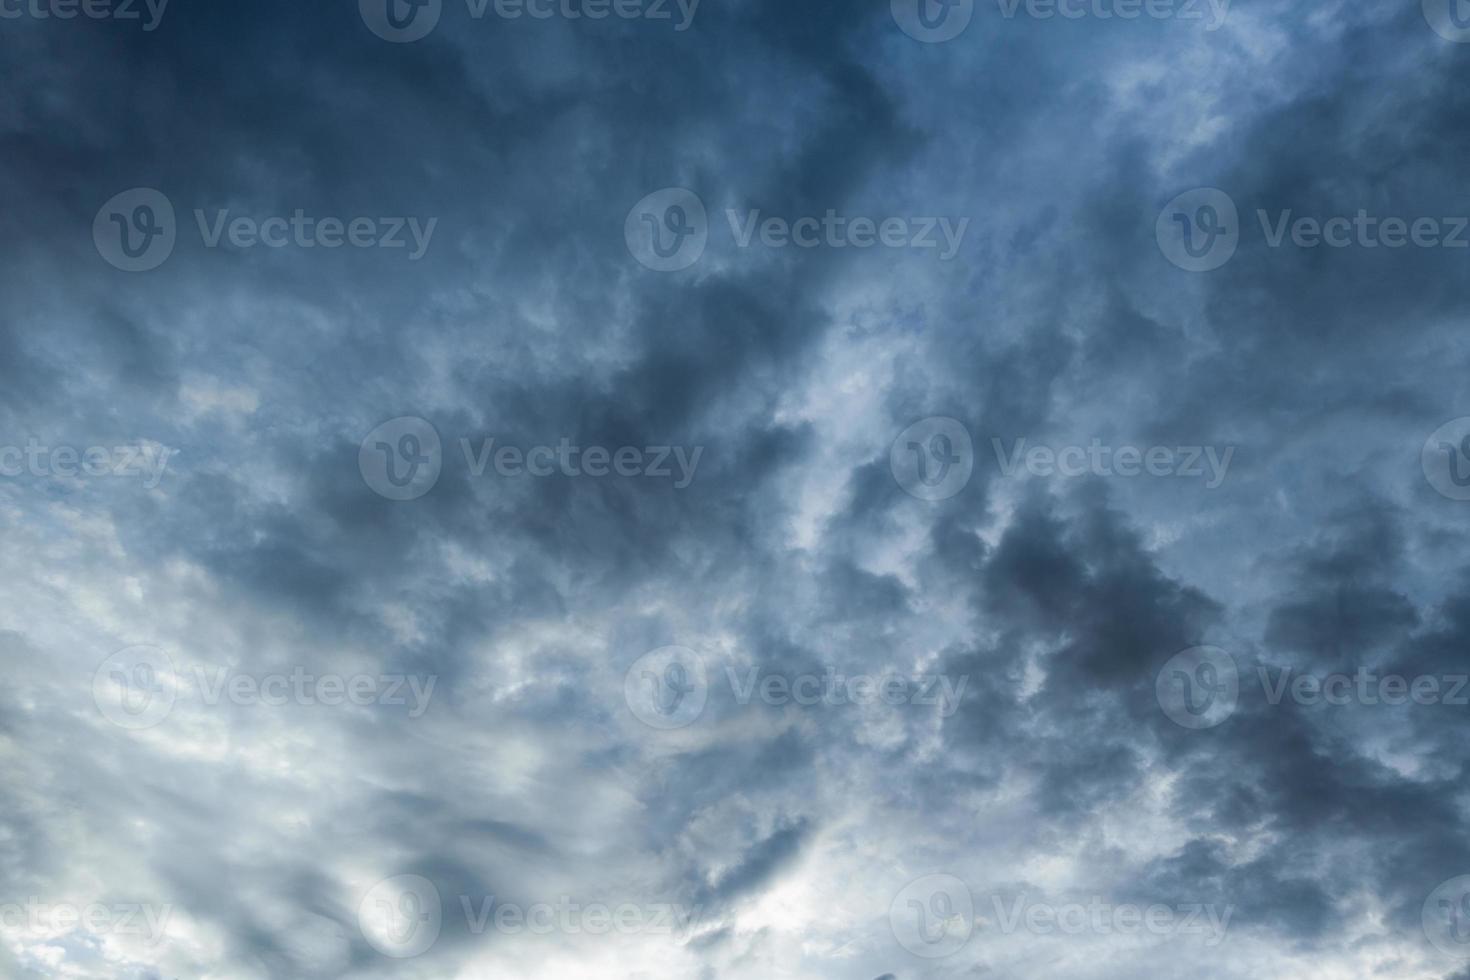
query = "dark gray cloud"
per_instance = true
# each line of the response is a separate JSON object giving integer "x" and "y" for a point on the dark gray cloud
{"x": 929, "y": 731}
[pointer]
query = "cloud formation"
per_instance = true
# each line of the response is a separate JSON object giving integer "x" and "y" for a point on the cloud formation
{"x": 766, "y": 651}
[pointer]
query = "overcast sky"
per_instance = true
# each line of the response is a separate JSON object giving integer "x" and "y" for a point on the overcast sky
{"x": 736, "y": 489}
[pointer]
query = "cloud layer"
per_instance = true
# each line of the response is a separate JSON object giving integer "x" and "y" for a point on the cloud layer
{"x": 750, "y": 523}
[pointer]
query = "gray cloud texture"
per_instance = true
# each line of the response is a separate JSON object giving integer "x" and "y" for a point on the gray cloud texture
{"x": 770, "y": 835}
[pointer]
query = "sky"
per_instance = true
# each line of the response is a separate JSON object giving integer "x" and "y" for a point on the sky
{"x": 878, "y": 490}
